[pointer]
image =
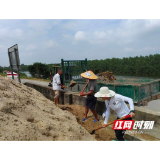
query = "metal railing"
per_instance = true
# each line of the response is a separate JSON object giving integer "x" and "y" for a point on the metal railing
{"x": 73, "y": 68}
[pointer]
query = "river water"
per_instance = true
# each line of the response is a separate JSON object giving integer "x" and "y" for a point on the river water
{"x": 27, "y": 73}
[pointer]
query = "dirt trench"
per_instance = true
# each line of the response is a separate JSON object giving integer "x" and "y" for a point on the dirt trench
{"x": 104, "y": 134}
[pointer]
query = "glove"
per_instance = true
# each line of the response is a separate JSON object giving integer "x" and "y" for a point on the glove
{"x": 104, "y": 114}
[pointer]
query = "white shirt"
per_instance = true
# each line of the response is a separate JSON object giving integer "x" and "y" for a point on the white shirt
{"x": 56, "y": 82}
{"x": 117, "y": 104}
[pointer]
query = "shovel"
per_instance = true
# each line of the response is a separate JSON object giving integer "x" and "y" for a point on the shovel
{"x": 84, "y": 88}
{"x": 72, "y": 84}
{"x": 93, "y": 132}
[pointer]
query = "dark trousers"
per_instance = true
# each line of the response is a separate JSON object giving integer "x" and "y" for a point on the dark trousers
{"x": 120, "y": 133}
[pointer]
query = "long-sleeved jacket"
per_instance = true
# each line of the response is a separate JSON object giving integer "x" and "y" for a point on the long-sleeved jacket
{"x": 117, "y": 103}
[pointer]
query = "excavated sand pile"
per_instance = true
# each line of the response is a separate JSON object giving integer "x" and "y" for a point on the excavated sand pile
{"x": 25, "y": 114}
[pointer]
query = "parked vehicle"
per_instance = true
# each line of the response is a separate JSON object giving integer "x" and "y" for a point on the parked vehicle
{"x": 9, "y": 74}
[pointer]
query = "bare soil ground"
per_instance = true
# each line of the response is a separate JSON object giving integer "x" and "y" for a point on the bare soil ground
{"x": 25, "y": 114}
{"x": 104, "y": 134}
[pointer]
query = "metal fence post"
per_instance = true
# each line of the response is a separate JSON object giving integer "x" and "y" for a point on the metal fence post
{"x": 10, "y": 64}
{"x": 139, "y": 96}
{"x": 62, "y": 63}
{"x": 17, "y": 66}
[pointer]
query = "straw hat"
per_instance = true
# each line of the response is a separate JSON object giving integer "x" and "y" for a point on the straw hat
{"x": 105, "y": 92}
{"x": 89, "y": 74}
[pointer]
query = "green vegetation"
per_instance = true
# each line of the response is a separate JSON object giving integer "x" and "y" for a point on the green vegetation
{"x": 23, "y": 75}
{"x": 2, "y": 74}
{"x": 40, "y": 70}
{"x": 5, "y": 68}
{"x": 1, "y": 70}
{"x": 24, "y": 67}
{"x": 133, "y": 66}
{"x": 144, "y": 66}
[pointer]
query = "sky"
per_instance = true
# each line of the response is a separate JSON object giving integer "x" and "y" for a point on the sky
{"x": 50, "y": 40}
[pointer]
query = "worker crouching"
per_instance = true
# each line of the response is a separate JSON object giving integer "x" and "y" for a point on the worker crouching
{"x": 117, "y": 103}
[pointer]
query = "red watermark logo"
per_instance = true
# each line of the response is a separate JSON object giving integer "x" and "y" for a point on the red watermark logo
{"x": 123, "y": 124}
{"x": 131, "y": 124}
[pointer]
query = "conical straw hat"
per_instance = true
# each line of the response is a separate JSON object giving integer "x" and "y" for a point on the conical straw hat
{"x": 89, "y": 75}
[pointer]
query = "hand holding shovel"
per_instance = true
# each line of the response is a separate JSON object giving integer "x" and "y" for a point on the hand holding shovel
{"x": 105, "y": 125}
{"x": 65, "y": 86}
{"x": 72, "y": 84}
{"x": 84, "y": 88}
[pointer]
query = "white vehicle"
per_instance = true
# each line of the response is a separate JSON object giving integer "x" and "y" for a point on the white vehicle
{"x": 9, "y": 74}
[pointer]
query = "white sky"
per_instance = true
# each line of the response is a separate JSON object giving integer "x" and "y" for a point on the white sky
{"x": 79, "y": 34}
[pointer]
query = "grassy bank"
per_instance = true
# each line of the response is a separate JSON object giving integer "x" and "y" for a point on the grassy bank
{"x": 2, "y": 74}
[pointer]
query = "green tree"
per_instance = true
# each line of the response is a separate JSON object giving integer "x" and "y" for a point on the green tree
{"x": 132, "y": 66}
{"x": 24, "y": 67}
{"x": 39, "y": 70}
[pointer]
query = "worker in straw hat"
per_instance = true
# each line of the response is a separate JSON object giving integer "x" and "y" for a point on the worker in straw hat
{"x": 91, "y": 90}
{"x": 117, "y": 103}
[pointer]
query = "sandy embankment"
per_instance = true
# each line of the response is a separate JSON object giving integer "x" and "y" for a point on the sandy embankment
{"x": 25, "y": 114}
